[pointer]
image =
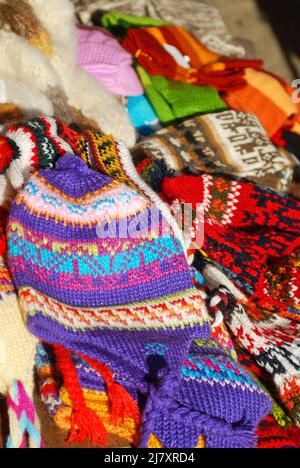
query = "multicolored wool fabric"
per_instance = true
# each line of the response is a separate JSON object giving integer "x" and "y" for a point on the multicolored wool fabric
{"x": 269, "y": 98}
{"x": 277, "y": 429}
{"x": 270, "y": 435}
{"x": 174, "y": 101}
{"x": 78, "y": 285}
{"x": 253, "y": 235}
{"x": 202, "y": 19}
{"x": 232, "y": 143}
{"x": 269, "y": 340}
{"x": 172, "y": 52}
{"x": 25, "y": 147}
{"x": 207, "y": 376}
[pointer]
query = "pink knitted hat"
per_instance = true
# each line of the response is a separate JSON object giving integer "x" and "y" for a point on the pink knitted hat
{"x": 102, "y": 57}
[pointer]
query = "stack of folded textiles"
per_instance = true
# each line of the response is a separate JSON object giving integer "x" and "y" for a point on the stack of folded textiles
{"x": 148, "y": 290}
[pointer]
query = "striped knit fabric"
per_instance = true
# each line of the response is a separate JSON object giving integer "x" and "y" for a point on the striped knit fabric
{"x": 231, "y": 143}
{"x": 267, "y": 97}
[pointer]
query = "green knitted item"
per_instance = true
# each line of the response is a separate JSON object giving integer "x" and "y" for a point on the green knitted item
{"x": 173, "y": 100}
{"x": 118, "y": 23}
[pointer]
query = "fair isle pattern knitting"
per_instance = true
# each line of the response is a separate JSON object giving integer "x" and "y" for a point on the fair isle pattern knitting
{"x": 111, "y": 157}
{"x": 26, "y": 147}
{"x": 17, "y": 355}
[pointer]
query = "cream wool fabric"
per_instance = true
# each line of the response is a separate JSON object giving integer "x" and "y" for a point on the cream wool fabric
{"x": 49, "y": 72}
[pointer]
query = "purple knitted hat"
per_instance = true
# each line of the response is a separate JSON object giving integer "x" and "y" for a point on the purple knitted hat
{"x": 103, "y": 57}
{"x": 115, "y": 300}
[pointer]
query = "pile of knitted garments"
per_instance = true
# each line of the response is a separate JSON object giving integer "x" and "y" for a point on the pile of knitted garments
{"x": 231, "y": 143}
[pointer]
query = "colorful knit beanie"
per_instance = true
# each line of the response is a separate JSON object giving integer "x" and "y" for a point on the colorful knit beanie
{"x": 17, "y": 357}
{"x": 114, "y": 302}
{"x": 232, "y": 143}
{"x": 101, "y": 55}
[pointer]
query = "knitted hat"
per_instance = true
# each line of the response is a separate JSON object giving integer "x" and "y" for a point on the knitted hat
{"x": 17, "y": 355}
{"x": 267, "y": 97}
{"x": 202, "y": 20}
{"x": 219, "y": 401}
{"x": 113, "y": 301}
{"x": 101, "y": 55}
{"x": 173, "y": 100}
{"x": 247, "y": 227}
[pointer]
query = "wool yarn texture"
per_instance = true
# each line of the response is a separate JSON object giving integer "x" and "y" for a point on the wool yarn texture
{"x": 197, "y": 383}
{"x": 103, "y": 283}
{"x": 17, "y": 359}
{"x": 26, "y": 147}
{"x": 269, "y": 98}
{"x": 232, "y": 143}
{"x": 263, "y": 261}
{"x": 102, "y": 56}
{"x": 174, "y": 101}
{"x": 142, "y": 115}
{"x": 172, "y": 52}
{"x": 201, "y": 18}
{"x": 38, "y": 67}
